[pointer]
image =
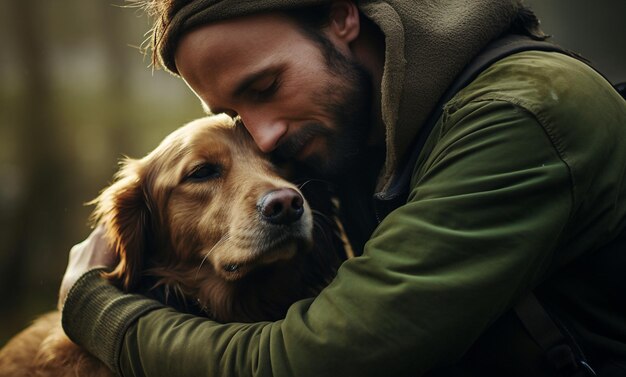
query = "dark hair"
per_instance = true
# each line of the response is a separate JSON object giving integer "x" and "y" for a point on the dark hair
{"x": 311, "y": 19}
{"x": 162, "y": 12}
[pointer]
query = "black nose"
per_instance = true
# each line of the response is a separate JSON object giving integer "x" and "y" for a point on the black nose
{"x": 282, "y": 206}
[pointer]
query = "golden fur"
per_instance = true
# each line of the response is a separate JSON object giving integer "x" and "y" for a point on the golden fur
{"x": 190, "y": 225}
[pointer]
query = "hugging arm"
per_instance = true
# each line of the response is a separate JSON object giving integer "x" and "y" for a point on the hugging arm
{"x": 435, "y": 273}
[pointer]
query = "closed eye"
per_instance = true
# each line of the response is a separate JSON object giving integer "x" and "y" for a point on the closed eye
{"x": 266, "y": 90}
{"x": 204, "y": 172}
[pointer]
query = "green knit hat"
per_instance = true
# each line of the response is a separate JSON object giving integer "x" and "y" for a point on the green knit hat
{"x": 199, "y": 12}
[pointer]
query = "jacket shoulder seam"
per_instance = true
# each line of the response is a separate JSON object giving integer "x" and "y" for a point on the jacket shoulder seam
{"x": 534, "y": 112}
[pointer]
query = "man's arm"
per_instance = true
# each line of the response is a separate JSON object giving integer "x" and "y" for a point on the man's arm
{"x": 479, "y": 230}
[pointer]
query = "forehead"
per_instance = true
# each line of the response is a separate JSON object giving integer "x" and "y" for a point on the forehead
{"x": 212, "y": 57}
{"x": 212, "y": 139}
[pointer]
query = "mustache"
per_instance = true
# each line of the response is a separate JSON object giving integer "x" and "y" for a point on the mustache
{"x": 289, "y": 148}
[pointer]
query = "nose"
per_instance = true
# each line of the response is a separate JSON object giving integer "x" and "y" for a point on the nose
{"x": 265, "y": 132}
{"x": 282, "y": 206}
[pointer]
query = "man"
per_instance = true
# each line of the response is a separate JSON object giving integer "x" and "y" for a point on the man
{"x": 519, "y": 187}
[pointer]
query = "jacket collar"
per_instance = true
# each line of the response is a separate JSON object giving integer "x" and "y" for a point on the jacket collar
{"x": 427, "y": 44}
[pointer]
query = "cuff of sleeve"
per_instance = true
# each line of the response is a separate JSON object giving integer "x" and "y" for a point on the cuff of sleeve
{"x": 96, "y": 316}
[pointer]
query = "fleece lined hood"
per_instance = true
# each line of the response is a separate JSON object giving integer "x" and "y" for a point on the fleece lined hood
{"x": 427, "y": 43}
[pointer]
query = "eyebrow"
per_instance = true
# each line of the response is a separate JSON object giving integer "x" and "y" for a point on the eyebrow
{"x": 245, "y": 84}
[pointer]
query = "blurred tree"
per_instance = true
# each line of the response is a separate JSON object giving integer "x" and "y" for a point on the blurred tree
{"x": 597, "y": 30}
{"x": 40, "y": 162}
{"x": 117, "y": 65}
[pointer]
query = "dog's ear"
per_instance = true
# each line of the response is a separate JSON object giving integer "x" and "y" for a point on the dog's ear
{"x": 123, "y": 210}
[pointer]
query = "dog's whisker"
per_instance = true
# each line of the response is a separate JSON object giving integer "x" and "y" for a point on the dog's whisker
{"x": 200, "y": 266}
{"x": 309, "y": 180}
{"x": 301, "y": 185}
{"x": 224, "y": 238}
{"x": 319, "y": 215}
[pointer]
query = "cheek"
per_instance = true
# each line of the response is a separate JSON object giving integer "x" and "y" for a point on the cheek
{"x": 305, "y": 93}
{"x": 196, "y": 220}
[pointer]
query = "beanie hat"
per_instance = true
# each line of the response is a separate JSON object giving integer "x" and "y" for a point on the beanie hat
{"x": 200, "y": 12}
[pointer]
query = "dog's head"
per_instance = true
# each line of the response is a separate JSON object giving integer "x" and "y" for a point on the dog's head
{"x": 205, "y": 209}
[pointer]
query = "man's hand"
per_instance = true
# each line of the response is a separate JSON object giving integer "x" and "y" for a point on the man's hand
{"x": 94, "y": 252}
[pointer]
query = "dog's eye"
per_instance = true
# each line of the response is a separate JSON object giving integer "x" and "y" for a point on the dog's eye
{"x": 204, "y": 172}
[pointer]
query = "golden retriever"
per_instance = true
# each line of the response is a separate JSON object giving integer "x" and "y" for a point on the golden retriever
{"x": 204, "y": 223}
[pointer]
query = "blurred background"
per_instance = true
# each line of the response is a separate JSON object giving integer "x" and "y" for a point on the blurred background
{"x": 76, "y": 94}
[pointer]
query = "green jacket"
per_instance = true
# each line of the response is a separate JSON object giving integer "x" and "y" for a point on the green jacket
{"x": 522, "y": 177}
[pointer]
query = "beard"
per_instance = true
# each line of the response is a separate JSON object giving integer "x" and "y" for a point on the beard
{"x": 347, "y": 101}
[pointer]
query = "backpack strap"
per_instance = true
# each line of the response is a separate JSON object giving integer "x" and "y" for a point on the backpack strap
{"x": 560, "y": 348}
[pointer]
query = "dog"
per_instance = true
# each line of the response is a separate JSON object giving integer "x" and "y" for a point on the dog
{"x": 204, "y": 223}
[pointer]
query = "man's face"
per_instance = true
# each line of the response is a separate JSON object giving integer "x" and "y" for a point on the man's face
{"x": 298, "y": 98}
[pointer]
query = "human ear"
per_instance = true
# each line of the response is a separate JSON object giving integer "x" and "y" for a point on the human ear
{"x": 344, "y": 24}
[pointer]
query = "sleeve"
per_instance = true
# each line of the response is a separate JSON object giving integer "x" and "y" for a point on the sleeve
{"x": 96, "y": 315}
{"x": 485, "y": 213}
